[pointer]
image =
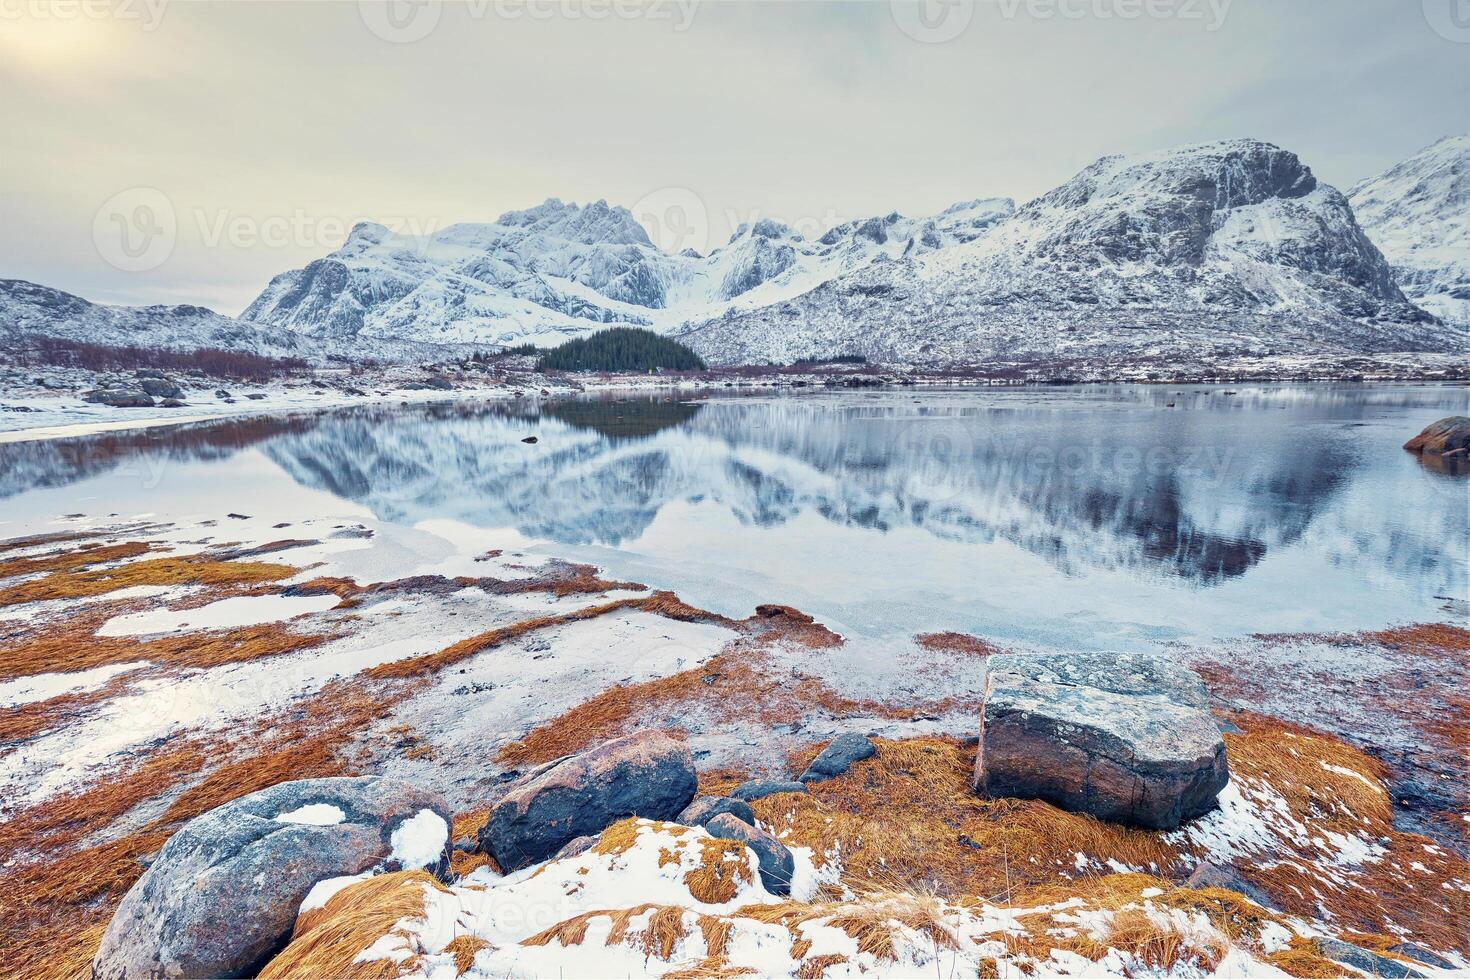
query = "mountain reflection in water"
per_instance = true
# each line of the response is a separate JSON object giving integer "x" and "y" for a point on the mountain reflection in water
{"x": 1200, "y": 485}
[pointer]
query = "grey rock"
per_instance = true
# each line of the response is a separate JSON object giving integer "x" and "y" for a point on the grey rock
{"x": 119, "y": 397}
{"x": 222, "y": 896}
{"x": 838, "y": 757}
{"x": 1421, "y": 955}
{"x": 439, "y": 383}
{"x": 706, "y": 808}
{"x": 160, "y": 387}
{"x": 1124, "y": 737}
{"x": 775, "y": 860}
{"x": 755, "y": 789}
{"x": 647, "y": 775}
{"x": 1361, "y": 959}
{"x": 1210, "y": 875}
{"x": 575, "y": 846}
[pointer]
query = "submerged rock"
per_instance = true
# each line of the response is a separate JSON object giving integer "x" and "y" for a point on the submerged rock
{"x": 838, "y": 757}
{"x": 1122, "y": 736}
{"x": 647, "y": 775}
{"x": 775, "y": 860}
{"x": 222, "y": 896}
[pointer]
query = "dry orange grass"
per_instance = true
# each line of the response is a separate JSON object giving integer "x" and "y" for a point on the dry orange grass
{"x": 1383, "y": 892}
{"x": 73, "y": 559}
{"x": 73, "y": 648}
{"x": 951, "y": 642}
{"x": 907, "y": 819}
{"x": 187, "y": 570}
{"x": 327, "y": 940}
{"x": 723, "y": 868}
{"x": 734, "y": 688}
{"x": 37, "y": 540}
{"x": 1303, "y": 958}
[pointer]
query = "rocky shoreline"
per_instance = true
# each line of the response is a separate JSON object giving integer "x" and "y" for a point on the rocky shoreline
{"x": 45, "y": 401}
{"x": 612, "y": 780}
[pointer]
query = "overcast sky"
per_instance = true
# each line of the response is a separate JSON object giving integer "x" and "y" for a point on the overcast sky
{"x": 161, "y": 151}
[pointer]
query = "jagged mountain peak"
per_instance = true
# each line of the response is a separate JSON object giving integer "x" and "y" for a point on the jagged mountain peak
{"x": 768, "y": 228}
{"x": 591, "y": 224}
{"x": 1224, "y": 174}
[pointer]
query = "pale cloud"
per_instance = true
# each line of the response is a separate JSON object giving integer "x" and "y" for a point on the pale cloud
{"x": 271, "y": 127}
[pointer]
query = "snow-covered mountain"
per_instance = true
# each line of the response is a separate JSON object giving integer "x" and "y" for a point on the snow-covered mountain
{"x": 1227, "y": 248}
{"x": 560, "y": 270}
{"x": 31, "y": 310}
{"x": 1418, "y": 213}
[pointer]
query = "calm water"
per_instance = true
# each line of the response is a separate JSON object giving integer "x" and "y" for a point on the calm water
{"x": 1092, "y": 516}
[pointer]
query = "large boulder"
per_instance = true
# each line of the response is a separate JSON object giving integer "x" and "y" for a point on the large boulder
{"x": 161, "y": 388}
{"x": 1126, "y": 737}
{"x": 838, "y": 757}
{"x": 1443, "y": 438}
{"x": 119, "y": 397}
{"x": 775, "y": 860}
{"x": 645, "y": 775}
{"x": 222, "y": 896}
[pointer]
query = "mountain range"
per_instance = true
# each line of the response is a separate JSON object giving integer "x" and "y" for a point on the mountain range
{"x": 1223, "y": 249}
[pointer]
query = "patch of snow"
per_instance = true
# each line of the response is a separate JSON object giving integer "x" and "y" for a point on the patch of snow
{"x": 225, "y": 614}
{"x": 322, "y": 891}
{"x": 418, "y": 842}
{"x": 39, "y": 687}
{"x": 314, "y": 814}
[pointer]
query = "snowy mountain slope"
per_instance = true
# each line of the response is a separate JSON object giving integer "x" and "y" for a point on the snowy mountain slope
{"x": 31, "y": 310}
{"x": 1418, "y": 213}
{"x": 1226, "y": 248}
{"x": 559, "y": 270}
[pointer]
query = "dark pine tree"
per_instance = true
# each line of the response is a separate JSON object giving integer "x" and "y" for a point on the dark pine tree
{"x": 621, "y": 349}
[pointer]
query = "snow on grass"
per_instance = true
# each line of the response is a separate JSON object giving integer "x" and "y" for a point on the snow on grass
{"x": 627, "y": 908}
{"x": 39, "y": 687}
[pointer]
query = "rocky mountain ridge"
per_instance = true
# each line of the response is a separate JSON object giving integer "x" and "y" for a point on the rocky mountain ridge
{"x": 1228, "y": 248}
{"x": 1418, "y": 213}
